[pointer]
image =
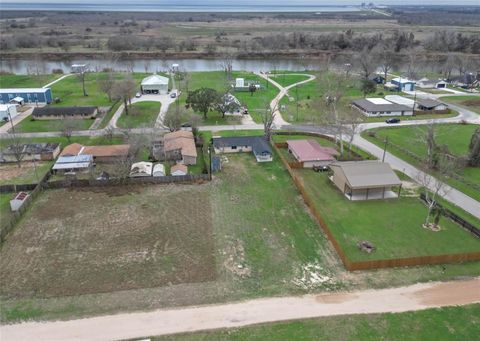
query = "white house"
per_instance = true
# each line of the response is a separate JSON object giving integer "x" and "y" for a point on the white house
{"x": 158, "y": 170}
{"x": 155, "y": 84}
{"x": 7, "y": 111}
{"x": 373, "y": 107}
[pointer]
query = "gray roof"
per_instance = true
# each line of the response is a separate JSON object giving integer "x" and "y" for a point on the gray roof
{"x": 258, "y": 143}
{"x": 31, "y": 148}
{"x": 369, "y": 106}
{"x": 428, "y": 103}
{"x": 63, "y": 111}
{"x": 367, "y": 174}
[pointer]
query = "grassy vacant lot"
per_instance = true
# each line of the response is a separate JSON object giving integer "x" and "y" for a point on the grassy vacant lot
{"x": 394, "y": 227}
{"x": 455, "y": 136}
{"x": 451, "y": 323}
{"x": 218, "y": 80}
{"x": 26, "y": 81}
{"x": 140, "y": 114}
{"x": 69, "y": 90}
{"x": 29, "y": 125}
{"x": 26, "y": 174}
{"x": 469, "y": 102}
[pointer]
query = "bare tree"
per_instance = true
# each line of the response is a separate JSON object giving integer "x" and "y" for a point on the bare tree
{"x": 81, "y": 77}
{"x": 16, "y": 148}
{"x": 414, "y": 57}
{"x": 68, "y": 126}
{"x": 352, "y": 119}
{"x": 449, "y": 65}
{"x": 107, "y": 84}
{"x": 366, "y": 63}
{"x": 268, "y": 119}
{"x": 172, "y": 120}
{"x": 386, "y": 56}
{"x": 226, "y": 63}
{"x": 125, "y": 90}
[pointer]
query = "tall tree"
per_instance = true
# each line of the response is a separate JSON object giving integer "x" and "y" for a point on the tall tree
{"x": 107, "y": 84}
{"x": 124, "y": 90}
{"x": 386, "y": 57}
{"x": 366, "y": 62}
{"x": 204, "y": 100}
{"x": 474, "y": 149}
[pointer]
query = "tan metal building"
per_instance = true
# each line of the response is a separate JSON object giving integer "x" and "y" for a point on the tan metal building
{"x": 364, "y": 180}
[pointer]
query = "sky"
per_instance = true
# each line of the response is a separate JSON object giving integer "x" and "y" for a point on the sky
{"x": 260, "y": 2}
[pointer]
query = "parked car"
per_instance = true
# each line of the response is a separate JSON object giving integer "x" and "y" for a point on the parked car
{"x": 392, "y": 120}
{"x": 321, "y": 168}
{"x": 138, "y": 95}
{"x": 186, "y": 125}
{"x": 173, "y": 95}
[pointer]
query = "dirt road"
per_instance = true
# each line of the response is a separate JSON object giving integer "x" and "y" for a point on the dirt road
{"x": 169, "y": 321}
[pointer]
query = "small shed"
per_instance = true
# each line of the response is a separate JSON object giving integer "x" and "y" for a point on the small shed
{"x": 18, "y": 200}
{"x": 179, "y": 170}
{"x": 403, "y": 84}
{"x": 158, "y": 170}
{"x": 155, "y": 84}
{"x": 18, "y": 100}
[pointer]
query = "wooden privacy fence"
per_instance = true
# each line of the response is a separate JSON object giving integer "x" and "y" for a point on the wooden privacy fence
{"x": 372, "y": 264}
{"x": 189, "y": 178}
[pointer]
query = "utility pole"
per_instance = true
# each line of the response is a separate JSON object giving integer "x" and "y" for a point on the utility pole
{"x": 385, "y": 149}
{"x": 296, "y": 100}
{"x": 414, "y": 101}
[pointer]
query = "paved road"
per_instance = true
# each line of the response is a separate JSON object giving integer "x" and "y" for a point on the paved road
{"x": 190, "y": 319}
{"x": 57, "y": 80}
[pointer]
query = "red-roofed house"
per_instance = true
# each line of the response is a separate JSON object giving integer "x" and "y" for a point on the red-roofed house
{"x": 311, "y": 153}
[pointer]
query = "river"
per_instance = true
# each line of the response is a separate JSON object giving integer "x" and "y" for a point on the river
{"x": 30, "y": 66}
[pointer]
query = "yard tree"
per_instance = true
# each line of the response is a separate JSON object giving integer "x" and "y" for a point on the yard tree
{"x": 366, "y": 63}
{"x": 268, "y": 118}
{"x": 351, "y": 119}
{"x": 172, "y": 120}
{"x": 226, "y": 65}
{"x": 415, "y": 55}
{"x": 203, "y": 100}
{"x": 474, "y": 149}
{"x": 124, "y": 90}
{"x": 81, "y": 77}
{"x": 252, "y": 88}
{"x": 107, "y": 84}
{"x": 386, "y": 57}
{"x": 16, "y": 147}
{"x": 367, "y": 86}
{"x": 449, "y": 65}
{"x": 68, "y": 126}
{"x": 227, "y": 104}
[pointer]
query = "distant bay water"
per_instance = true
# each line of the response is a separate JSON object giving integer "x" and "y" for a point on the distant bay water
{"x": 149, "y": 6}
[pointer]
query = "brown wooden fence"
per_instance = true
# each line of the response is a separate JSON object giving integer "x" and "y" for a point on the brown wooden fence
{"x": 373, "y": 264}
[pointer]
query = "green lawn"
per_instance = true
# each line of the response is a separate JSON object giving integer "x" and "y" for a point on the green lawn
{"x": 287, "y": 79}
{"x": 455, "y": 136}
{"x": 384, "y": 223}
{"x": 69, "y": 90}
{"x": 217, "y": 80}
{"x": 26, "y": 81}
{"x": 140, "y": 114}
{"x": 30, "y": 126}
{"x": 450, "y": 323}
{"x": 469, "y": 102}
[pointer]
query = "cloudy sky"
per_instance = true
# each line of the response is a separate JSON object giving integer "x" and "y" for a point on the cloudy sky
{"x": 258, "y": 2}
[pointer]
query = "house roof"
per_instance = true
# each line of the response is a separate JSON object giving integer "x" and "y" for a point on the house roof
{"x": 367, "y": 174}
{"x": 77, "y": 161}
{"x": 155, "y": 80}
{"x": 21, "y": 196}
{"x": 258, "y": 143}
{"x": 429, "y": 103}
{"x": 368, "y": 105}
{"x": 96, "y": 151}
{"x": 17, "y": 99}
{"x": 23, "y": 90}
{"x": 400, "y": 100}
{"x": 182, "y": 140}
{"x": 311, "y": 150}
{"x": 5, "y": 107}
{"x": 63, "y": 111}
{"x": 179, "y": 167}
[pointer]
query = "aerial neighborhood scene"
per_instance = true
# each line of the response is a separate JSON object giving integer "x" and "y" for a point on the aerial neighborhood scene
{"x": 216, "y": 170}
